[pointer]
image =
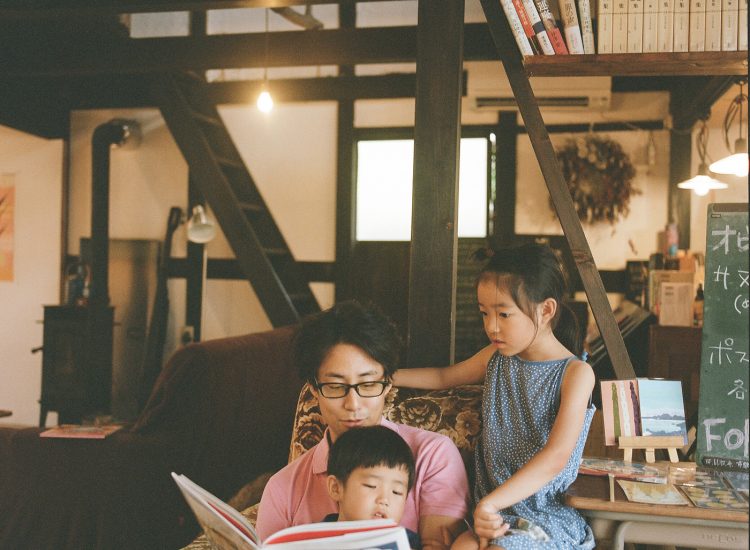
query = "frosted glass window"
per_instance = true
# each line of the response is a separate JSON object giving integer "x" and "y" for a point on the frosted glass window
{"x": 384, "y": 189}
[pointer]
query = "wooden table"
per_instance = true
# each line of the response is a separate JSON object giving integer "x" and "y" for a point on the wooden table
{"x": 624, "y": 521}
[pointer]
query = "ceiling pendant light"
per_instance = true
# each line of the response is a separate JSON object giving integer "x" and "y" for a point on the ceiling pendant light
{"x": 265, "y": 101}
{"x": 735, "y": 164}
{"x": 702, "y": 183}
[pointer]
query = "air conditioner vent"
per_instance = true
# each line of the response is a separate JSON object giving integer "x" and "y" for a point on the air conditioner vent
{"x": 488, "y": 89}
{"x": 553, "y": 102}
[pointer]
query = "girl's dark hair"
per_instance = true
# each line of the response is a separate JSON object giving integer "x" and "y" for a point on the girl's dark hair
{"x": 351, "y": 323}
{"x": 532, "y": 273}
{"x": 369, "y": 447}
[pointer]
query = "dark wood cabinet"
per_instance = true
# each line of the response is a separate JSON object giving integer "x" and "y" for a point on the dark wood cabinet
{"x": 76, "y": 362}
{"x": 675, "y": 353}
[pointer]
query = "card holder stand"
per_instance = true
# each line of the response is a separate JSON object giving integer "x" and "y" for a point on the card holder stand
{"x": 650, "y": 443}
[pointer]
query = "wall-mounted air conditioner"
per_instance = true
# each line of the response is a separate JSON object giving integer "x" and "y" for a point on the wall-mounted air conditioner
{"x": 489, "y": 89}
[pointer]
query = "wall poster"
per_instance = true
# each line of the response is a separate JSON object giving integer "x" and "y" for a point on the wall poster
{"x": 7, "y": 206}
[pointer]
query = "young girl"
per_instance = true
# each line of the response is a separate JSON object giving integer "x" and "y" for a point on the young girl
{"x": 536, "y": 405}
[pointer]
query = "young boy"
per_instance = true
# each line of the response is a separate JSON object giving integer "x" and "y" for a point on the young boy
{"x": 370, "y": 472}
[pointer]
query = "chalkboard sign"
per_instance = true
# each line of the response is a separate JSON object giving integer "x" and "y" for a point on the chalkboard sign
{"x": 724, "y": 391}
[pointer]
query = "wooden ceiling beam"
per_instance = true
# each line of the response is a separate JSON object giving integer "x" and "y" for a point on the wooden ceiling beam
{"x": 133, "y": 91}
{"x": 80, "y": 54}
{"x": 691, "y": 98}
{"x": 23, "y": 9}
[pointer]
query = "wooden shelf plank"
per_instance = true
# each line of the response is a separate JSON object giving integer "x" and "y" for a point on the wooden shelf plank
{"x": 639, "y": 64}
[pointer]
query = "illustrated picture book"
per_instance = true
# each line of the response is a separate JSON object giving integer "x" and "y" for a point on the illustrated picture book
{"x": 634, "y": 471}
{"x": 78, "y": 431}
{"x": 651, "y": 493}
{"x": 227, "y": 529}
{"x": 642, "y": 407}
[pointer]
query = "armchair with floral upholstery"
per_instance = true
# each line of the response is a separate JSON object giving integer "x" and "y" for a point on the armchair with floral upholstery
{"x": 455, "y": 412}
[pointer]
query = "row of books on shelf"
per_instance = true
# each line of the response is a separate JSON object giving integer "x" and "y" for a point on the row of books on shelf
{"x": 543, "y": 27}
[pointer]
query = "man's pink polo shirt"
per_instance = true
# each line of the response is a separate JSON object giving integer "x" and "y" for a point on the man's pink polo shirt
{"x": 297, "y": 494}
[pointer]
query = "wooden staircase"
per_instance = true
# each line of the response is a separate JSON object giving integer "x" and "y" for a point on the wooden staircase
{"x": 225, "y": 182}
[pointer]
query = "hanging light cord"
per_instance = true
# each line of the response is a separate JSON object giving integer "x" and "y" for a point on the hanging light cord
{"x": 265, "y": 63}
{"x": 701, "y": 142}
{"x": 734, "y": 108}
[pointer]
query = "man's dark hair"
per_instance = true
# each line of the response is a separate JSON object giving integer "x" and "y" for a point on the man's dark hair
{"x": 367, "y": 448}
{"x": 346, "y": 323}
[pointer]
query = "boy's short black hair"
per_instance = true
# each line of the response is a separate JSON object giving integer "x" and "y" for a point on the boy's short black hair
{"x": 351, "y": 323}
{"x": 369, "y": 447}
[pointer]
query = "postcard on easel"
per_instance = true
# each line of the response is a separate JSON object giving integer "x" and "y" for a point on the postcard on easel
{"x": 650, "y": 493}
{"x": 78, "y": 431}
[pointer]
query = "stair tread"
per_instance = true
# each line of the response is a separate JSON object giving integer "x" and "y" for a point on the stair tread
{"x": 251, "y": 206}
{"x": 277, "y": 251}
{"x": 191, "y": 76}
{"x": 230, "y": 162}
{"x": 207, "y": 119}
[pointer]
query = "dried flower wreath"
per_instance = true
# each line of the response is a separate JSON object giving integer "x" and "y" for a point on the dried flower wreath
{"x": 600, "y": 176}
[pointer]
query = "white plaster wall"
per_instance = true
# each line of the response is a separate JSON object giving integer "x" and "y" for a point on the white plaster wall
{"x": 634, "y": 237}
{"x": 34, "y": 165}
{"x": 291, "y": 155}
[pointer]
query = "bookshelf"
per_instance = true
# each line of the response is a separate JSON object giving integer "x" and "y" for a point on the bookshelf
{"x": 639, "y": 64}
{"x": 519, "y": 69}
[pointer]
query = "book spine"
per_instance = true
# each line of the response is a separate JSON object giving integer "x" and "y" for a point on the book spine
{"x": 651, "y": 25}
{"x": 516, "y": 27}
{"x": 569, "y": 16}
{"x": 681, "y": 27}
{"x": 729, "y": 24}
{"x": 635, "y": 26}
{"x": 539, "y": 31}
{"x": 620, "y": 26}
{"x": 553, "y": 31}
{"x": 697, "y": 26}
{"x": 587, "y": 28}
{"x": 742, "y": 30}
{"x": 713, "y": 26}
{"x": 604, "y": 30}
{"x": 526, "y": 25}
{"x": 665, "y": 22}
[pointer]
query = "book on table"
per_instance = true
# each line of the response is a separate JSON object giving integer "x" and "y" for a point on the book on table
{"x": 78, "y": 431}
{"x": 227, "y": 529}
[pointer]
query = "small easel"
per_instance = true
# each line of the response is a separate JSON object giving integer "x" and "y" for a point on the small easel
{"x": 650, "y": 443}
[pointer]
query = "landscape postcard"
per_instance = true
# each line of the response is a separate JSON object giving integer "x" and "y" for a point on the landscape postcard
{"x": 662, "y": 408}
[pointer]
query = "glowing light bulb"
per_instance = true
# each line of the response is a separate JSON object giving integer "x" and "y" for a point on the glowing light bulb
{"x": 265, "y": 102}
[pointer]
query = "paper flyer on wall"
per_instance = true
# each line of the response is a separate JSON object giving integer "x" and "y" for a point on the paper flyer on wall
{"x": 227, "y": 529}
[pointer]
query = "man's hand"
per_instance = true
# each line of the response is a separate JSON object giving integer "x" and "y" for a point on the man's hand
{"x": 438, "y": 532}
{"x": 488, "y": 524}
{"x": 445, "y": 540}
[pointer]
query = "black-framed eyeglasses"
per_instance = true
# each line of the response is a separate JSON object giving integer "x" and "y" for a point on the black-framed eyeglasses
{"x": 337, "y": 390}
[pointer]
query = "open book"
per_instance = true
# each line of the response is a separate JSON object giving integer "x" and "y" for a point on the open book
{"x": 227, "y": 529}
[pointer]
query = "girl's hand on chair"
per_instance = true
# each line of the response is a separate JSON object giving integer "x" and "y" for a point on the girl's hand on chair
{"x": 488, "y": 524}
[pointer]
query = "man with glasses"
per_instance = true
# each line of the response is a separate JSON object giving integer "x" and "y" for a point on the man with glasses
{"x": 348, "y": 354}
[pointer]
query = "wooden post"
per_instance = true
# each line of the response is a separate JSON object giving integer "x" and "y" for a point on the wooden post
{"x": 432, "y": 271}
